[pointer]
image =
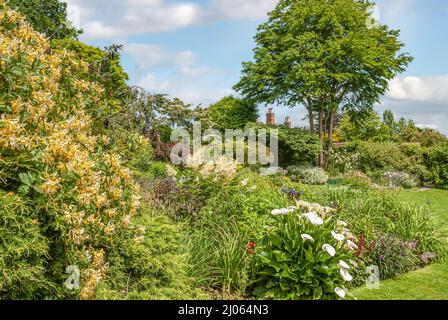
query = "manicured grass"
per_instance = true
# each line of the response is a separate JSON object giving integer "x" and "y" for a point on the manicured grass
{"x": 430, "y": 283}
{"x": 435, "y": 199}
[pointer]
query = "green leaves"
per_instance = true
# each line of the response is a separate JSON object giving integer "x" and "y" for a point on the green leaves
{"x": 28, "y": 180}
{"x": 290, "y": 267}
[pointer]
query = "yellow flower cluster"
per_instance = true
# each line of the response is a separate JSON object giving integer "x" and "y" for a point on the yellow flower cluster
{"x": 91, "y": 191}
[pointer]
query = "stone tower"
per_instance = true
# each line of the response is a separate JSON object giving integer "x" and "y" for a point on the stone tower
{"x": 288, "y": 122}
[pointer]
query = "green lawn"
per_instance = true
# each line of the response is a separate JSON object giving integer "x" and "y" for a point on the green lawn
{"x": 430, "y": 283}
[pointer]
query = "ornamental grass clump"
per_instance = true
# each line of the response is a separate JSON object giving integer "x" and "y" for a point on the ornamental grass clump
{"x": 81, "y": 197}
{"x": 304, "y": 255}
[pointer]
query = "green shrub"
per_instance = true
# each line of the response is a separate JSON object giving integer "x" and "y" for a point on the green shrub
{"x": 438, "y": 164}
{"x": 356, "y": 179}
{"x": 23, "y": 250}
{"x": 399, "y": 179}
{"x": 340, "y": 161}
{"x": 307, "y": 175}
{"x": 302, "y": 256}
{"x": 154, "y": 267}
{"x": 82, "y": 197}
{"x": 379, "y": 156}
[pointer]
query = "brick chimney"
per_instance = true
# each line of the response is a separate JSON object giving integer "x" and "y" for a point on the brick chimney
{"x": 270, "y": 117}
{"x": 288, "y": 122}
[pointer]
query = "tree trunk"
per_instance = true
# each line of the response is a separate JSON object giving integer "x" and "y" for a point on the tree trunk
{"x": 311, "y": 116}
{"x": 321, "y": 138}
{"x": 330, "y": 130}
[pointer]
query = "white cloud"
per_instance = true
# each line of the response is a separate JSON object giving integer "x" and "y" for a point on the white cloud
{"x": 108, "y": 19}
{"x": 97, "y": 30}
{"x": 185, "y": 58}
{"x": 74, "y": 15}
{"x": 239, "y": 9}
{"x": 151, "y": 83}
{"x": 146, "y": 55}
{"x": 432, "y": 89}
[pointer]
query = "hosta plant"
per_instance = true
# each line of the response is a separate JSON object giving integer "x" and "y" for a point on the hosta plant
{"x": 305, "y": 254}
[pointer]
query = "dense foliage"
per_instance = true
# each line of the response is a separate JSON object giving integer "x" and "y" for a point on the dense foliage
{"x": 48, "y": 17}
{"x": 232, "y": 113}
{"x": 82, "y": 198}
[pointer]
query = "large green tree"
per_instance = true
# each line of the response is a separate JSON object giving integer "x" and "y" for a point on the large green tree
{"x": 323, "y": 55}
{"x": 48, "y": 17}
{"x": 232, "y": 113}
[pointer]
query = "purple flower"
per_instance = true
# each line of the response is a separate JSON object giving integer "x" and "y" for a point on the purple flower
{"x": 284, "y": 190}
{"x": 381, "y": 257}
{"x": 292, "y": 192}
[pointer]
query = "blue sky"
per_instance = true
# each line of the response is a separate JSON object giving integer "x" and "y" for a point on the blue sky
{"x": 193, "y": 49}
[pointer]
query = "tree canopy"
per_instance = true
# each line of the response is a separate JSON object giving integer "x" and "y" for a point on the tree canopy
{"x": 232, "y": 113}
{"x": 48, "y": 17}
{"x": 323, "y": 55}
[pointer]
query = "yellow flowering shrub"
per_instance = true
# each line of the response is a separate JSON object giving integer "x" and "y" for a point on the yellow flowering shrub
{"x": 84, "y": 197}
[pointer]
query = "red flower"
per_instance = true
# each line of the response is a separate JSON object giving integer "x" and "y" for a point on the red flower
{"x": 250, "y": 245}
{"x": 251, "y": 251}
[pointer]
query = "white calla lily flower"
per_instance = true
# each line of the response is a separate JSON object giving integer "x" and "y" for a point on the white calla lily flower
{"x": 352, "y": 245}
{"x": 344, "y": 264}
{"x": 283, "y": 211}
{"x": 306, "y": 237}
{"x": 314, "y": 218}
{"x": 338, "y": 236}
{"x": 340, "y": 292}
{"x": 345, "y": 275}
{"x": 330, "y": 250}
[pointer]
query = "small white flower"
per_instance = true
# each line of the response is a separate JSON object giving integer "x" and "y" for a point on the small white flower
{"x": 344, "y": 264}
{"x": 306, "y": 237}
{"x": 330, "y": 250}
{"x": 244, "y": 182}
{"x": 345, "y": 275}
{"x": 338, "y": 236}
{"x": 352, "y": 245}
{"x": 340, "y": 292}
